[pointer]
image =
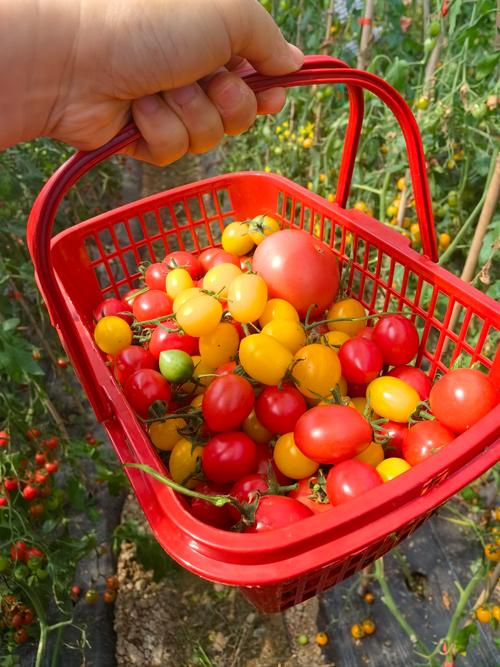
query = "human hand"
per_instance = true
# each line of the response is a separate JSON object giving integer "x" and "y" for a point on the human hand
{"x": 170, "y": 65}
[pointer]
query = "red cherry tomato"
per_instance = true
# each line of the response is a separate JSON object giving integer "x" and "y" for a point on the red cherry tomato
{"x": 206, "y": 257}
{"x": 361, "y": 360}
{"x": 155, "y": 276}
{"x": 397, "y": 339}
{"x": 245, "y": 491}
{"x": 151, "y": 304}
{"x": 393, "y": 436}
{"x": 277, "y": 511}
{"x": 277, "y": 259}
{"x": 246, "y": 263}
{"x": 4, "y": 438}
{"x": 228, "y": 456}
{"x": 415, "y": 377}
{"x": 131, "y": 359}
{"x": 425, "y": 439}
{"x": 227, "y": 403}
{"x": 143, "y": 388}
{"x": 366, "y": 332}
{"x": 180, "y": 259}
{"x": 115, "y": 307}
{"x": 332, "y": 433}
{"x": 356, "y": 390}
{"x": 219, "y": 517}
{"x": 226, "y": 369}
{"x": 278, "y": 409}
{"x": 30, "y": 492}
{"x": 350, "y": 479}
{"x": 462, "y": 397}
{"x": 305, "y": 494}
{"x": 10, "y": 483}
{"x": 174, "y": 339}
{"x": 19, "y": 551}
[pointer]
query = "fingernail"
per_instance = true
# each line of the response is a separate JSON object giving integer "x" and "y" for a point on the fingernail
{"x": 296, "y": 54}
{"x": 229, "y": 95}
{"x": 149, "y": 105}
{"x": 184, "y": 95}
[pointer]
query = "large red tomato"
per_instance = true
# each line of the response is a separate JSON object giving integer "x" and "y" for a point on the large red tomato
{"x": 332, "y": 433}
{"x": 298, "y": 268}
{"x": 462, "y": 397}
{"x": 424, "y": 439}
{"x": 350, "y": 479}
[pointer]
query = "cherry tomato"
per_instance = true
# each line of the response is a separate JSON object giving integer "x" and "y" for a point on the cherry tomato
{"x": 10, "y": 483}
{"x": 425, "y": 439}
{"x": 19, "y": 551}
{"x": 30, "y": 492}
{"x": 21, "y": 636}
{"x": 207, "y": 256}
{"x": 262, "y": 226}
{"x": 366, "y": 332}
{"x": 397, "y": 339}
{"x": 109, "y": 596}
{"x": 343, "y": 309}
{"x": 227, "y": 403}
{"x": 219, "y": 517}
{"x": 373, "y": 454}
{"x": 183, "y": 462}
{"x": 255, "y": 430}
{"x": 176, "y": 366}
{"x": 316, "y": 370}
{"x": 219, "y": 346}
{"x": 51, "y": 467}
{"x": 290, "y": 460}
{"x": 277, "y": 259}
{"x": 112, "y": 334}
{"x": 392, "y": 435}
{"x": 264, "y": 359}
{"x": 199, "y": 316}
{"x": 112, "y": 306}
{"x": 361, "y": 360}
{"x": 131, "y": 359}
{"x": 184, "y": 296}
{"x": 277, "y": 512}
{"x": 4, "y": 438}
{"x": 266, "y": 467}
{"x": 156, "y": 275}
{"x": 168, "y": 336}
{"x": 218, "y": 278}
{"x": 246, "y": 297}
{"x": 180, "y": 259}
{"x": 391, "y": 468}
{"x": 143, "y": 388}
{"x": 278, "y": 409}
{"x": 334, "y": 339}
{"x": 236, "y": 238}
{"x": 151, "y": 305}
{"x": 350, "y": 479}
{"x": 332, "y": 433}
{"x": 202, "y": 374}
{"x": 415, "y": 377}
{"x": 289, "y": 333}
{"x": 462, "y": 397}
{"x": 223, "y": 257}
{"x": 226, "y": 369}
{"x": 91, "y": 596}
{"x": 245, "y": 491}
{"x": 278, "y": 309}
{"x": 177, "y": 281}
{"x": 307, "y": 493}
{"x": 392, "y": 398}
{"x": 228, "y": 456}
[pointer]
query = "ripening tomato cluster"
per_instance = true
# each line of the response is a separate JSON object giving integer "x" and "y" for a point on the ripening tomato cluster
{"x": 15, "y": 617}
{"x": 260, "y": 385}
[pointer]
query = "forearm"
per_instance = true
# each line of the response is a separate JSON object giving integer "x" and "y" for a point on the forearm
{"x": 37, "y": 42}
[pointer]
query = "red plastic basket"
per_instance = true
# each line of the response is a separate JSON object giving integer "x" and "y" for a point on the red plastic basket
{"x": 99, "y": 258}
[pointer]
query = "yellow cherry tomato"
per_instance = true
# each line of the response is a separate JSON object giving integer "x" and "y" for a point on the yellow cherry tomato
{"x": 177, "y": 282}
{"x": 112, "y": 334}
{"x": 183, "y": 462}
{"x": 247, "y": 297}
{"x": 254, "y": 429}
{"x": 483, "y": 614}
{"x": 185, "y": 296}
{"x": 262, "y": 226}
{"x": 264, "y": 358}
{"x": 368, "y": 627}
{"x": 289, "y": 459}
{"x": 197, "y": 401}
{"x": 199, "y": 316}
{"x": 392, "y": 398}
{"x": 218, "y": 278}
{"x": 334, "y": 338}
{"x": 373, "y": 454}
{"x": 219, "y": 346}
{"x": 360, "y": 403}
{"x": 237, "y": 239}
{"x": 200, "y": 368}
{"x": 289, "y": 333}
{"x": 392, "y": 467}
{"x": 278, "y": 309}
{"x": 165, "y": 435}
{"x": 344, "y": 309}
{"x": 357, "y": 631}
{"x": 492, "y": 552}
{"x": 316, "y": 370}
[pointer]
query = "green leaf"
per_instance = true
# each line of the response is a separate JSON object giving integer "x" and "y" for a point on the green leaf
{"x": 76, "y": 493}
{"x": 10, "y": 324}
{"x": 453, "y": 14}
{"x": 487, "y": 64}
{"x": 463, "y": 637}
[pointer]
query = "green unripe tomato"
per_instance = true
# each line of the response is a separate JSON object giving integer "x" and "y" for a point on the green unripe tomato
{"x": 4, "y": 563}
{"x": 479, "y": 111}
{"x": 176, "y": 366}
{"x": 452, "y": 198}
{"x": 434, "y": 28}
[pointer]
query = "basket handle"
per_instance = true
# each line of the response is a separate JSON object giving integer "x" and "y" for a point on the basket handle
{"x": 316, "y": 69}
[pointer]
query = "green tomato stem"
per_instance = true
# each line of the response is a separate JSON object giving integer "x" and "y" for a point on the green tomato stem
{"x": 313, "y": 325}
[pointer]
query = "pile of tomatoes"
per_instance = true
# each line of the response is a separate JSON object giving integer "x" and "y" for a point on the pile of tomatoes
{"x": 265, "y": 389}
